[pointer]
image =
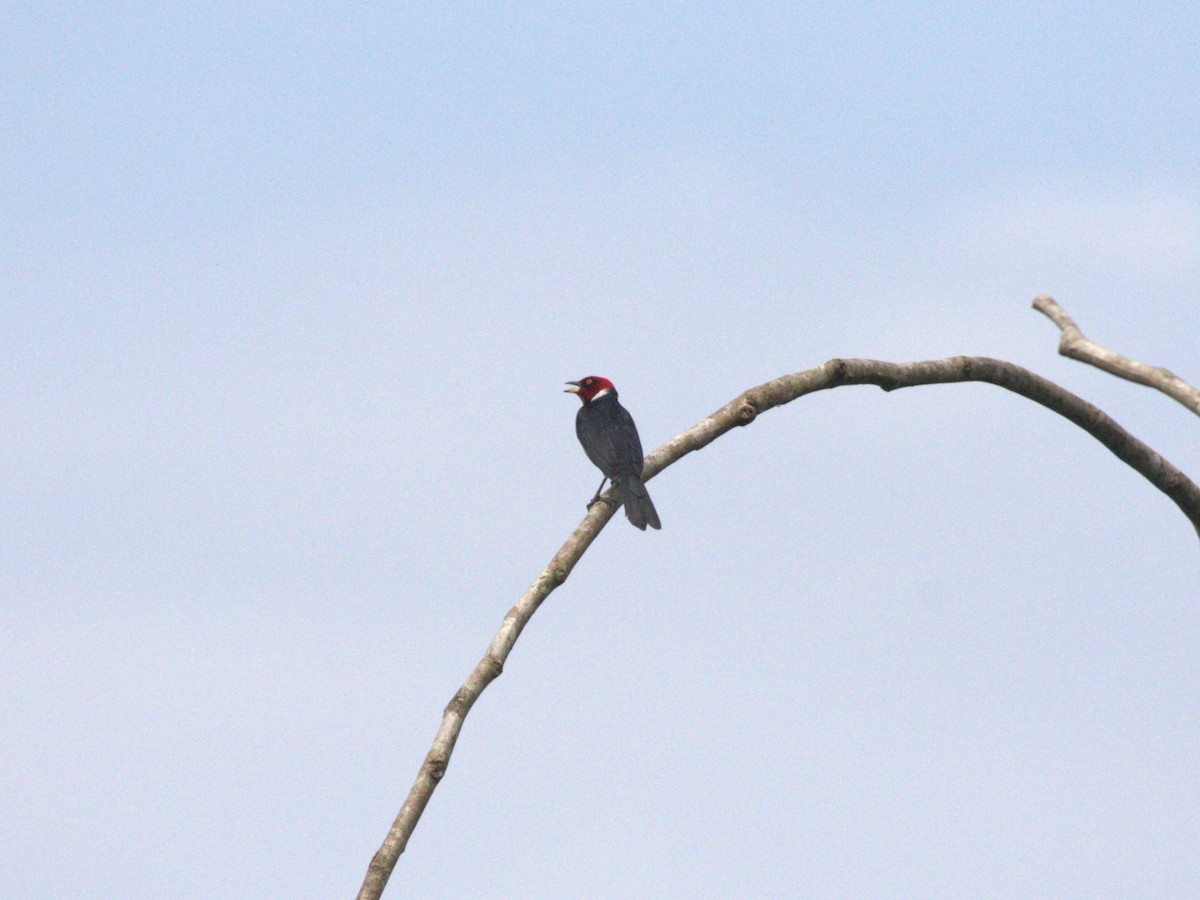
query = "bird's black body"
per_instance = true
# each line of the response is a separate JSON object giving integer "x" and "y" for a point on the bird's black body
{"x": 610, "y": 439}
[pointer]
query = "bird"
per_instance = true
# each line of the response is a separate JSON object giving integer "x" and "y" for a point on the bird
{"x": 610, "y": 440}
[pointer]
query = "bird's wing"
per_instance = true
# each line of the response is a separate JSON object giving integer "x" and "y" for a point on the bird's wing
{"x": 627, "y": 444}
{"x": 610, "y": 438}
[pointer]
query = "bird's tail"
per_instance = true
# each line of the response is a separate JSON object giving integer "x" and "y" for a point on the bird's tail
{"x": 639, "y": 509}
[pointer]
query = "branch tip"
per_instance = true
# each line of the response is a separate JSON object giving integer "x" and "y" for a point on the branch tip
{"x": 1073, "y": 344}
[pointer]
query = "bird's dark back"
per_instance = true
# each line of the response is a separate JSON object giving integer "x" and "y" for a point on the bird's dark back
{"x": 609, "y": 437}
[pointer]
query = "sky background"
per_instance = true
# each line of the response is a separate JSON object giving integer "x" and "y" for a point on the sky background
{"x": 288, "y": 294}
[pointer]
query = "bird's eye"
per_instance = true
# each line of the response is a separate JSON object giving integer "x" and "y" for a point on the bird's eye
{"x": 589, "y": 381}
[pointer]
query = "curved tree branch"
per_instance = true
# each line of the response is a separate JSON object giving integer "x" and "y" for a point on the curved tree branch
{"x": 1072, "y": 343}
{"x": 742, "y": 411}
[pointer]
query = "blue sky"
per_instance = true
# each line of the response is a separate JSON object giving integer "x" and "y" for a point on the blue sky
{"x": 287, "y": 297}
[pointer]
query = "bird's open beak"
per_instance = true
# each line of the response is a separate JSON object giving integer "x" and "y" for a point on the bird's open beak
{"x": 572, "y": 390}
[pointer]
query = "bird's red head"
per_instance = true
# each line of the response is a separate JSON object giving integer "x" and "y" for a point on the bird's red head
{"x": 588, "y": 389}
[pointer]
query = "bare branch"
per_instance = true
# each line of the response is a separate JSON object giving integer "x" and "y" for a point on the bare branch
{"x": 1072, "y": 343}
{"x": 742, "y": 411}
